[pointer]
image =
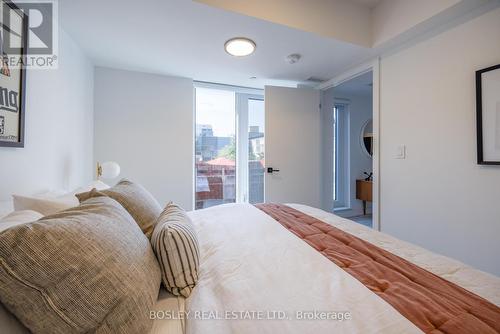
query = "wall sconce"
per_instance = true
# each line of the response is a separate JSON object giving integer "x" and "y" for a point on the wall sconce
{"x": 108, "y": 170}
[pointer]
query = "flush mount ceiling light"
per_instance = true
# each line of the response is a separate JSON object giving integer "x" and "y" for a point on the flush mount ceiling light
{"x": 240, "y": 47}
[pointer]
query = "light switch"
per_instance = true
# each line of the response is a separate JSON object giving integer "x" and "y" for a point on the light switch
{"x": 401, "y": 152}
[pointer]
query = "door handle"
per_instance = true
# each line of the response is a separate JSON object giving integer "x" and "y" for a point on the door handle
{"x": 271, "y": 170}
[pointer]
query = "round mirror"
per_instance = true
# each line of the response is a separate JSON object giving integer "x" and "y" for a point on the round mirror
{"x": 367, "y": 138}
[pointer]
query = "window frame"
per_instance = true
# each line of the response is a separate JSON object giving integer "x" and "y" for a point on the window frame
{"x": 242, "y": 122}
{"x": 242, "y": 94}
{"x": 342, "y": 189}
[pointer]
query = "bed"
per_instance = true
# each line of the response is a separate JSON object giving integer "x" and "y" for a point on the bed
{"x": 257, "y": 277}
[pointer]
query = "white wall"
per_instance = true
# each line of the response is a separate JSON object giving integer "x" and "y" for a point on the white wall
{"x": 145, "y": 123}
{"x": 58, "y": 132}
{"x": 438, "y": 197}
{"x": 393, "y": 17}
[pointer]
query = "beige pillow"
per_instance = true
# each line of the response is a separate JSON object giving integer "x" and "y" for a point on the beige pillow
{"x": 87, "y": 269}
{"x": 135, "y": 199}
{"x": 176, "y": 247}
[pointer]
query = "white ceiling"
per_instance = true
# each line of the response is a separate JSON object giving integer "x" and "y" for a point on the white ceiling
{"x": 185, "y": 38}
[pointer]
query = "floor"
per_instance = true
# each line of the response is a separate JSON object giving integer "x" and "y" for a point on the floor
{"x": 364, "y": 220}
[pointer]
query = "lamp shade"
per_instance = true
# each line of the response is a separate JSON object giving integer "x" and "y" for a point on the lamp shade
{"x": 110, "y": 170}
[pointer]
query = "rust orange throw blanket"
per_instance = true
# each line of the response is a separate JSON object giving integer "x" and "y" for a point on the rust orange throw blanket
{"x": 432, "y": 303}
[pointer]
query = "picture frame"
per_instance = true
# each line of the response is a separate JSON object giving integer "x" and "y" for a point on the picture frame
{"x": 13, "y": 46}
{"x": 488, "y": 115}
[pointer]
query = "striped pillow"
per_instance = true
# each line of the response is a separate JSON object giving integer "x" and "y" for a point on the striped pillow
{"x": 176, "y": 247}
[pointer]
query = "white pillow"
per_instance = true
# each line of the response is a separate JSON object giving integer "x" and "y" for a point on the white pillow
{"x": 99, "y": 185}
{"x": 54, "y": 201}
{"x": 19, "y": 218}
{"x": 46, "y": 206}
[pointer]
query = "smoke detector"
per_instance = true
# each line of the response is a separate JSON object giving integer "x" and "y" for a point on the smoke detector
{"x": 293, "y": 58}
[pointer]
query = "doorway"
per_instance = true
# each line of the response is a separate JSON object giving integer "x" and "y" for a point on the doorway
{"x": 351, "y": 128}
{"x": 355, "y": 98}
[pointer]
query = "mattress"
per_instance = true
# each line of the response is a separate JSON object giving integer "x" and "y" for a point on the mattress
{"x": 167, "y": 304}
{"x": 257, "y": 277}
{"x": 167, "y": 313}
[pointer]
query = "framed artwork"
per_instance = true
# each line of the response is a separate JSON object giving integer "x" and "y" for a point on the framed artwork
{"x": 488, "y": 115}
{"x": 13, "y": 45}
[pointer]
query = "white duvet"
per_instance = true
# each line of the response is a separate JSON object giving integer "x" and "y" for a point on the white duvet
{"x": 257, "y": 277}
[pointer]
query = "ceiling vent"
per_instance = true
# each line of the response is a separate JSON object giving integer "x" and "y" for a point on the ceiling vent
{"x": 314, "y": 79}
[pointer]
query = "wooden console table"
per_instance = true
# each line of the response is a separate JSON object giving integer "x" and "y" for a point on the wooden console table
{"x": 364, "y": 190}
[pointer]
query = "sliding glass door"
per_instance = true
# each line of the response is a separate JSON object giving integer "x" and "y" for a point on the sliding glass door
{"x": 229, "y": 146}
{"x": 215, "y": 147}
